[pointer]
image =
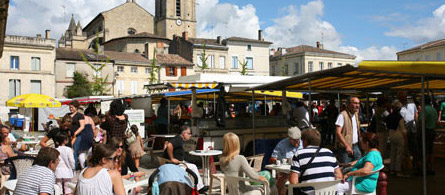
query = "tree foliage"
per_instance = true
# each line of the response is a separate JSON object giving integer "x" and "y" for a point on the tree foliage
{"x": 283, "y": 67}
{"x": 154, "y": 71}
{"x": 243, "y": 67}
{"x": 80, "y": 87}
{"x": 203, "y": 59}
{"x": 99, "y": 85}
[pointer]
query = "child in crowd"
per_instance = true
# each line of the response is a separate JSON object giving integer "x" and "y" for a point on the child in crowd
{"x": 137, "y": 147}
{"x": 99, "y": 134}
{"x": 65, "y": 170}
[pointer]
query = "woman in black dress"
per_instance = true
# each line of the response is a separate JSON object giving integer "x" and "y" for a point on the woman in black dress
{"x": 76, "y": 128}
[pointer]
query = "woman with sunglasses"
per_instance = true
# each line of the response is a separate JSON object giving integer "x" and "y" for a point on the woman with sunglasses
{"x": 100, "y": 178}
{"x": 122, "y": 163}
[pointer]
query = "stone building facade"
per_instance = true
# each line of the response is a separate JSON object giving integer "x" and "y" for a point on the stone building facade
{"x": 304, "y": 58}
{"x": 431, "y": 51}
{"x": 224, "y": 55}
{"x": 70, "y": 60}
{"x": 27, "y": 66}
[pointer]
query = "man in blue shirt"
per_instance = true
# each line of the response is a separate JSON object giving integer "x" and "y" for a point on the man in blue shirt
{"x": 286, "y": 149}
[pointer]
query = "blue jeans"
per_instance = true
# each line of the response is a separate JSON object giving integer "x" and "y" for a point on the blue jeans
{"x": 343, "y": 155}
{"x": 76, "y": 151}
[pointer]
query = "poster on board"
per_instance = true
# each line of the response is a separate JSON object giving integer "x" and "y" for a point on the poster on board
{"x": 137, "y": 117}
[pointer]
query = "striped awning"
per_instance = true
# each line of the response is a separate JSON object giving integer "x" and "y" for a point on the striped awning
{"x": 368, "y": 76}
{"x": 197, "y": 85}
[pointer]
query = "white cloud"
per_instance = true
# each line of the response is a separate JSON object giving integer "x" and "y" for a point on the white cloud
{"x": 425, "y": 29}
{"x": 31, "y": 17}
{"x": 226, "y": 20}
{"x": 305, "y": 26}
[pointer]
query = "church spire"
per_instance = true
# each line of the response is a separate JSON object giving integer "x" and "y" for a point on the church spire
{"x": 72, "y": 25}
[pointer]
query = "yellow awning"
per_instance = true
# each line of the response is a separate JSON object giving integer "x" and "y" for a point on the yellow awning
{"x": 198, "y": 85}
{"x": 289, "y": 94}
{"x": 412, "y": 67}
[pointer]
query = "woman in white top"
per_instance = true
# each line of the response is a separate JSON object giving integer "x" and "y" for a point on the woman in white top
{"x": 99, "y": 179}
{"x": 65, "y": 170}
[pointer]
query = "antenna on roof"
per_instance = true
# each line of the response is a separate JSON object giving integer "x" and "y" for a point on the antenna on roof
{"x": 64, "y": 13}
{"x": 322, "y": 36}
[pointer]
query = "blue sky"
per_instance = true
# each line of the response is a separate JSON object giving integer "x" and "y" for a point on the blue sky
{"x": 369, "y": 29}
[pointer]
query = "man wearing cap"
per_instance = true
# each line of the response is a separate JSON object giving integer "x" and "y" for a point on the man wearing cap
{"x": 286, "y": 149}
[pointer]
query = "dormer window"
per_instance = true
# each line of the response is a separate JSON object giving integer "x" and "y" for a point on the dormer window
{"x": 131, "y": 31}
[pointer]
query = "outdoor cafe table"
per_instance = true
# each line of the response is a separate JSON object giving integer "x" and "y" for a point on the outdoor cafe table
{"x": 279, "y": 168}
{"x": 32, "y": 153}
{"x": 205, "y": 156}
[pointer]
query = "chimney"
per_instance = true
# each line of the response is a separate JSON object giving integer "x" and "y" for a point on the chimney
{"x": 47, "y": 33}
{"x": 218, "y": 39}
{"x": 185, "y": 35}
{"x": 272, "y": 51}
{"x": 319, "y": 45}
{"x": 260, "y": 35}
{"x": 39, "y": 36}
{"x": 160, "y": 45}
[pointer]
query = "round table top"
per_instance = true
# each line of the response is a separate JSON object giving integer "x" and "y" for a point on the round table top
{"x": 32, "y": 153}
{"x": 205, "y": 152}
{"x": 164, "y": 136}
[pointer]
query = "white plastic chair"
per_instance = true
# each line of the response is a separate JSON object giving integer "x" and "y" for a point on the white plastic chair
{"x": 232, "y": 184}
{"x": 56, "y": 189}
{"x": 320, "y": 188}
{"x": 355, "y": 191}
{"x": 217, "y": 176}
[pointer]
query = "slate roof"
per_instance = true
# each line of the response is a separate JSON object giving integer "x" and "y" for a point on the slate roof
{"x": 428, "y": 45}
{"x": 74, "y": 54}
{"x": 242, "y": 39}
{"x": 172, "y": 59}
{"x": 140, "y": 35}
{"x": 129, "y": 57}
{"x": 307, "y": 48}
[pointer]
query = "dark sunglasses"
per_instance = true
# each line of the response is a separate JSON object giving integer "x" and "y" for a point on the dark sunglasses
{"x": 122, "y": 146}
{"x": 116, "y": 158}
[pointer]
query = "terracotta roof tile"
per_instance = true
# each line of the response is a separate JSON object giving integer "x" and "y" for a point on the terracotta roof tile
{"x": 129, "y": 57}
{"x": 74, "y": 54}
{"x": 204, "y": 41}
{"x": 172, "y": 59}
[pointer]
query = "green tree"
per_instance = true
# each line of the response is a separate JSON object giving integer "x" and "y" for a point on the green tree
{"x": 99, "y": 85}
{"x": 203, "y": 59}
{"x": 154, "y": 70}
{"x": 80, "y": 87}
{"x": 243, "y": 67}
{"x": 283, "y": 67}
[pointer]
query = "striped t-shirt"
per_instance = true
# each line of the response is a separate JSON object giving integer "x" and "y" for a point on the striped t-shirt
{"x": 36, "y": 179}
{"x": 321, "y": 169}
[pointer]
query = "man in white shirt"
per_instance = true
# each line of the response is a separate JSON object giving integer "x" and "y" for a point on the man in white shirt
{"x": 409, "y": 114}
{"x": 301, "y": 116}
{"x": 347, "y": 131}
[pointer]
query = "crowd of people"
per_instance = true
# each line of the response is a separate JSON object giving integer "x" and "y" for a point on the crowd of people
{"x": 99, "y": 149}
{"x": 96, "y": 147}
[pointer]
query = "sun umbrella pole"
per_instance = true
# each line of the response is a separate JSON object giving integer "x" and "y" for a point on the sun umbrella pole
{"x": 32, "y": 122}
{"x": 423, "y": 135}
{"x": 253, "y": 119}
{"x": 310, "y": 103}
{"x": 168, "y": 113}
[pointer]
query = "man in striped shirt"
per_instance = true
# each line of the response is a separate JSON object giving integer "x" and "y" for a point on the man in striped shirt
{"x": 324, "y": 167}
{"x": 40, "y": 178}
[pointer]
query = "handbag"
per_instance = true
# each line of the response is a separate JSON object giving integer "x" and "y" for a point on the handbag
{"x": 307, "y": 166}
{"x": 130, "y": 137}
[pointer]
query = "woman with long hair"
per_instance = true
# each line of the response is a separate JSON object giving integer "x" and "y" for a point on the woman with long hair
{"x": 137, "y": 147}
{"x": 5, "y": 153}
{"x": 371, "y": 161}
{"x": 100, "y": 178}
{"x": 76, "y": 128}
{"x": 233, "y": 164}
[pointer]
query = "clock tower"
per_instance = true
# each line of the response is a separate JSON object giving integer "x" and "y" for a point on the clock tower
{"x": 173, "y": 17}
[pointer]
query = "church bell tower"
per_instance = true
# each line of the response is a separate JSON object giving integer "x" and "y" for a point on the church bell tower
{"x": 173, "y": 17}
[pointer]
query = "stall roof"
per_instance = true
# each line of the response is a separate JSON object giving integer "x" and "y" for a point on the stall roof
{"x": 182, "y": 85}
{"x": 368, "y": 76}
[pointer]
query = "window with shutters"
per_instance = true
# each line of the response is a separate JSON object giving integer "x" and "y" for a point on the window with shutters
{"x": 120, "y": 69}
{"x": 120, "y": 87}
{"x": 134, "y": 87}
{"x": 36, "y": 86}
{"x": 178, "y": 7}
{"x": 183, "y": 71}
{"x": 171, "y": 71}
{"x": 15, "y": 63}
{"x": 321, "y": 66}
{"x": 35, "y": 63}
{"x": 310, "y": 66}
{"x": 222, "y": 62}
{"x": 329, "y": 65}
{"x": 249, "y": 61}
{"x": 211, "y": 61}
{"x": 14, "y": 87}
{"x": 70, "y": 68}
{"x": 134, "y": 69}
{"x": 234, "y": 61}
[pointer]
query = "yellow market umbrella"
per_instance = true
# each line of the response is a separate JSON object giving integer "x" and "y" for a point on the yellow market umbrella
{"x": 33, "y": 100}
